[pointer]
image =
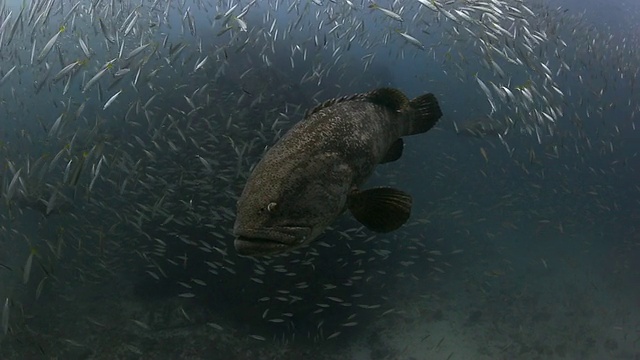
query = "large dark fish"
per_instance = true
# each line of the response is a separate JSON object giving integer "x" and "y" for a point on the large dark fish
{"x": 313, "y": 173}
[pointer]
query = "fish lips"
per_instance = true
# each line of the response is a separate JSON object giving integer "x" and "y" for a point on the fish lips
{"x": 270, "y": 241}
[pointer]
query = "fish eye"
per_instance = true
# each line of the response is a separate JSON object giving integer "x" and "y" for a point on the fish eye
{"x": 271, "y": 206}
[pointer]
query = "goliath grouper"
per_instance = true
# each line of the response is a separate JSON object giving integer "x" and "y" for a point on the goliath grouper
{"x": 314, "y": 172}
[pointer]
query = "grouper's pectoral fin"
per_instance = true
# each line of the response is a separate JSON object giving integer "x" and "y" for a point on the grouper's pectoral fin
{"x": 380, "y": 209}
{"x": 394, "y": 153}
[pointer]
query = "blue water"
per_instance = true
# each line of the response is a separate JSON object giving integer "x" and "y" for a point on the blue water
{"x": 518, "y": 247}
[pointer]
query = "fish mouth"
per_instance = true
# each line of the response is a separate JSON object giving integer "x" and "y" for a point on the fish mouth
{"x": 258, "y": 246}
{"x": 269, "y": 241}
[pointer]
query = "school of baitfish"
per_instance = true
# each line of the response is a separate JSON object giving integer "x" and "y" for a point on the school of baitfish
{"x": 128, "y": 129}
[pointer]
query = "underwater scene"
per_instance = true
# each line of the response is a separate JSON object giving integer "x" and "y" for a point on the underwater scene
{"x": 319, "y": 179}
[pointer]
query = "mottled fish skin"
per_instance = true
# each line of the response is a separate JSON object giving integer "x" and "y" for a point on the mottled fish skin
{"x": 302, "y": 183}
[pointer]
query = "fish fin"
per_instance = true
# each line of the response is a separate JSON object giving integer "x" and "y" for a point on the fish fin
{"x": 394, "y": 152}
{"x": 422, "y": 114}
{"x": 380, "y": 209}
{"x": 333, "y": 101}
{"x": 391, "y": 98}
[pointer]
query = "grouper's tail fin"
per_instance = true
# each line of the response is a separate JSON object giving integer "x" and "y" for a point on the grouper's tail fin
{"x": 422, "y": 114}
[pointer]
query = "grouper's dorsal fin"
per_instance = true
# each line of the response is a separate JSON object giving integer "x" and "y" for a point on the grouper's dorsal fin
{"x": 391, "y": 98}
{"x": 333, "y": 101}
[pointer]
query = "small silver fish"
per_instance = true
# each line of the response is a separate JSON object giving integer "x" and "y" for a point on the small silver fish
{"x": 5, "y": 317}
